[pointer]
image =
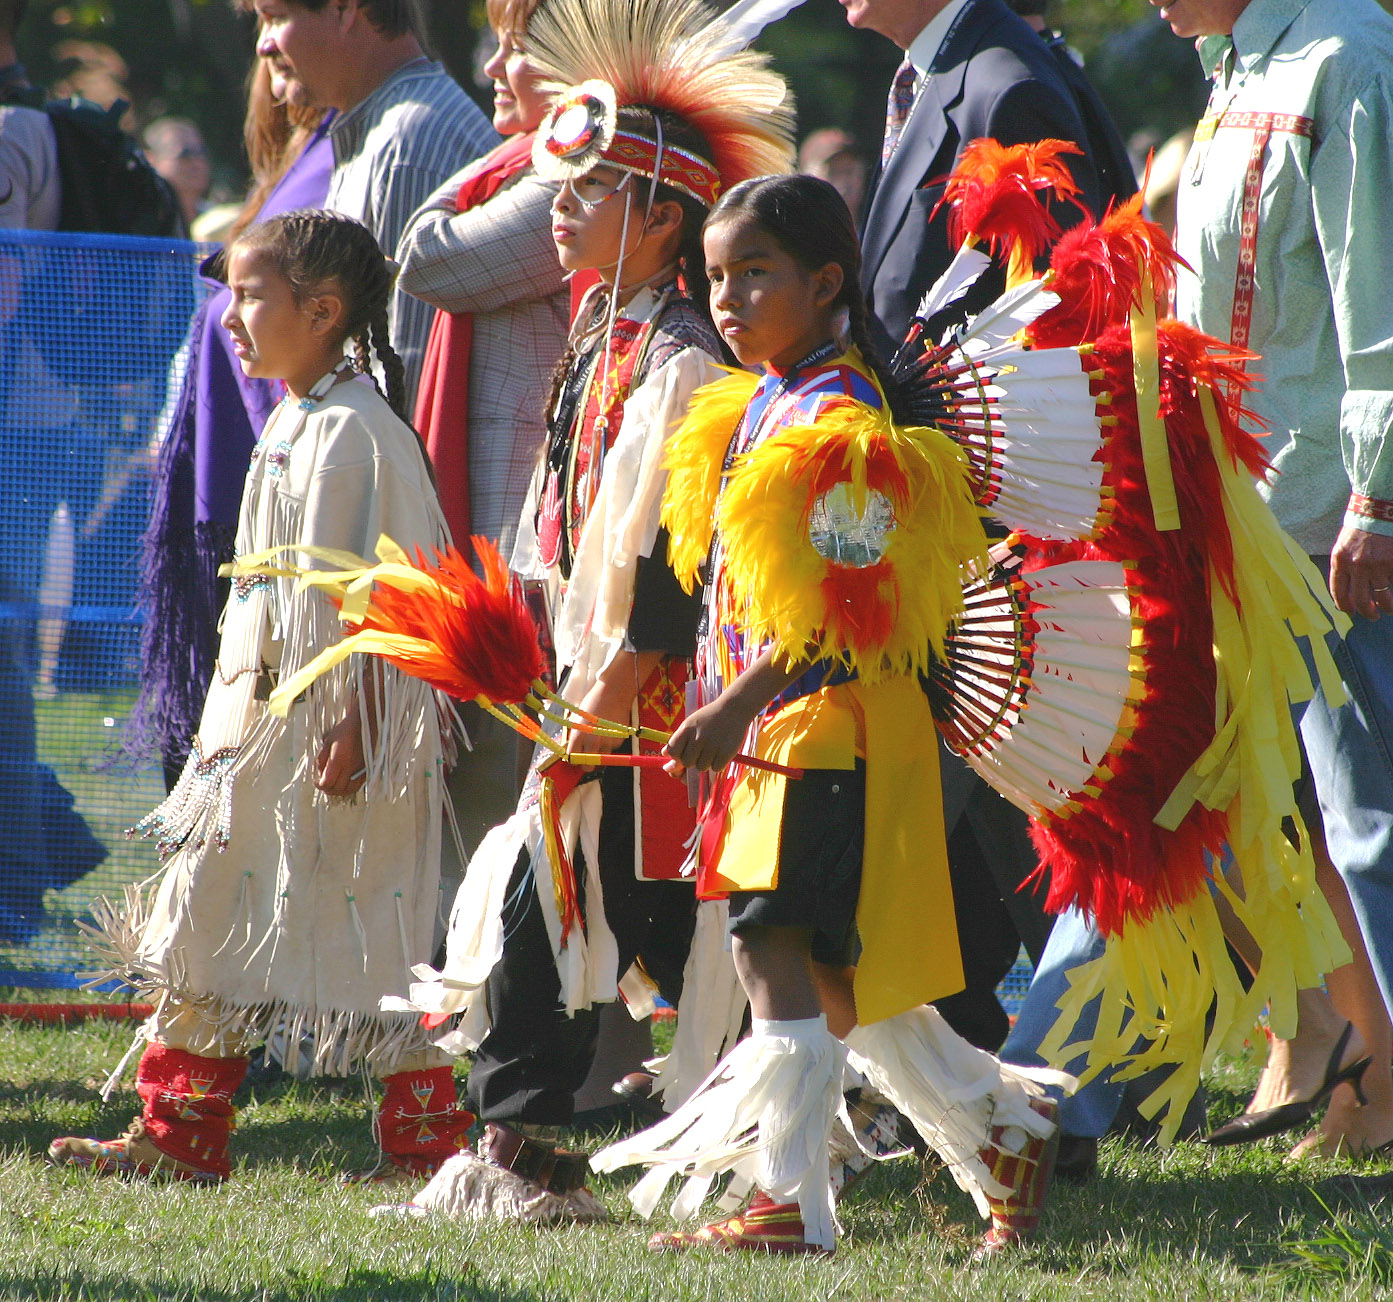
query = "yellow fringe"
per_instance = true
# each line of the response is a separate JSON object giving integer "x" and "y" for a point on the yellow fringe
{"x": 776, "y": 575}
{"x": 1157, "y": 978}
{"x": 694, "y": 457}
{"x": 1282, "y": 596}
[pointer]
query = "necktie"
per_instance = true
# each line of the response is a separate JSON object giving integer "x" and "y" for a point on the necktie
{"x": 897, "y": 108}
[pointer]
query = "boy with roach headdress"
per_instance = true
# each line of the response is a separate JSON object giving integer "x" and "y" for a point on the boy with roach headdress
{"x": 577, "y": 900}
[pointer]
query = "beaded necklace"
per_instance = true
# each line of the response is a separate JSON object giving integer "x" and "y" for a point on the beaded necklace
{"x": 277, "y": 455}
{"x": 748, "y": 432}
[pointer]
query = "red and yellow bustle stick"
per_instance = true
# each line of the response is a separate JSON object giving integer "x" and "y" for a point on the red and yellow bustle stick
{"x": 473, "y": 638}
{"x": 577, "y": 719}
{"x": 993, "y": 197}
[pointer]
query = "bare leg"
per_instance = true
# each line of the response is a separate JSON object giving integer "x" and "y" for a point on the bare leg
{"x": 834, "y": 987}
{"x": 1295, "y": 1068}
{"x": 775, "y": 968}
{"x": 1348, "y": 1127}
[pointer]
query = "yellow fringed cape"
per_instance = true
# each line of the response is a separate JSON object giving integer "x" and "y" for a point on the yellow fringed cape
{"x": 782, "y": 592}
{"x": 694, "y": 456}
{"x": 879, "y": 619}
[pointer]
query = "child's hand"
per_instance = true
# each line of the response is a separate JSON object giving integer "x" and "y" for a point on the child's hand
{"x": 609, "y": 700}
{"x": 612, "y": 697}
{"x": 709, "y": 738}
{"x": 341, "y": 766}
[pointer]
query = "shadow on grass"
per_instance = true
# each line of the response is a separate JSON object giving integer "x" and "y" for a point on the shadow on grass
{"x": 38, "y": 1111}
{"x": 1240, "y": 1218}
{"x": 356, "y": 1285}
{"x": 66, "y": 1090}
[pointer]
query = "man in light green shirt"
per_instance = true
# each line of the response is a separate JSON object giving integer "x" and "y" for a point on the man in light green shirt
{"x": 1282, "y": 218}
{"x": 1308, "y": 85}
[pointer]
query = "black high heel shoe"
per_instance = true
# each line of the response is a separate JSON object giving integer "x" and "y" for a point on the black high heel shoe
{"x": 1250, "y": 1126}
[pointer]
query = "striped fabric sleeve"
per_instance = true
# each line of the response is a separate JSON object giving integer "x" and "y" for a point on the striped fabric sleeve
{"x": 391, "y": 152}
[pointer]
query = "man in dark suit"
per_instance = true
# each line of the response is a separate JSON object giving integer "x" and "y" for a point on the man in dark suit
{"x": 978, "y": 70}
{"x": 972, "y": 69}
{"x": 1116, "y": 178}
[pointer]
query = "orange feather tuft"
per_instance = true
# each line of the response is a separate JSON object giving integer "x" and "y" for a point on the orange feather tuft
{"x": 996, "y": 193}
{"x": 474, "y": 636}
{"x": 1097, "y": 273}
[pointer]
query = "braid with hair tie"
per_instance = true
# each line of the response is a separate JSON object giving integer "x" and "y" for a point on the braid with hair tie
{"x": 557, "y": 381}
{"x": 393, "y": 368}
{"x": 859, "y": 330}
{"x": 362, "y": 357}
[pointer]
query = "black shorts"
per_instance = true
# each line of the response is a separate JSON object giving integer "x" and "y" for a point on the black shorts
{"x": 820, "y": 848}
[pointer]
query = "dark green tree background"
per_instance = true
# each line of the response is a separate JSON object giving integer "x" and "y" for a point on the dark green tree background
{"x": 190, "y": 57}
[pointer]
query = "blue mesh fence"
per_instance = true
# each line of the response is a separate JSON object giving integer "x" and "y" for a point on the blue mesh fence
{"x": 90, "y": 335}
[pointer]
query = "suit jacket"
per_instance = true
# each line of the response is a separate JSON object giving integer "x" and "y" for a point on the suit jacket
{"x": 993, "y": 77}
{"x": 1117, "y": 181}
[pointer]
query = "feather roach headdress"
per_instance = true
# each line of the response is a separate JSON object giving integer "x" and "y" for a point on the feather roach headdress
{"x": 672, "y": 56}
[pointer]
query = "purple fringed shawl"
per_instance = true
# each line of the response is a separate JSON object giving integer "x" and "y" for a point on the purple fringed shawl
{"x": 218, "y": 416}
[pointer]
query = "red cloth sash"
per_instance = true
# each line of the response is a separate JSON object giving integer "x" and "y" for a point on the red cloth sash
{"x": 667, "y": 819}
{"x": 442, "y": 405}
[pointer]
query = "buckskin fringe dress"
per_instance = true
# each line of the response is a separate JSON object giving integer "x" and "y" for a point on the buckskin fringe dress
{"x": 280, "y": 908}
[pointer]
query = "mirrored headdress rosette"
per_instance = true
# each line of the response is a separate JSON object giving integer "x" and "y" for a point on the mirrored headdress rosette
{"x": 582, "y": 131}
{"x": 665, "y": 59}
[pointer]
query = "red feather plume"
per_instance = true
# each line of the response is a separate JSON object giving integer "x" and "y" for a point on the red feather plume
{"x": 479, "y": 639}
{"x": 996, "y": 191}
{"x": 1097, "y": 274}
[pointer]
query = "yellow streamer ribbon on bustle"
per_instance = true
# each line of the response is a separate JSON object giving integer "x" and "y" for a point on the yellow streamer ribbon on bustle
{"x": 1146, "y": 379}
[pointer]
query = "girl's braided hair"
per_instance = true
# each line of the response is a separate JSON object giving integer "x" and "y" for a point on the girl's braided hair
{"x": 311, "y": 248}
{"x": 812, "y": 224}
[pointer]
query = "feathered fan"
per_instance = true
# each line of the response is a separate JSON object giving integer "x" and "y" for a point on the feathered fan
{"x": 470, "y": 637}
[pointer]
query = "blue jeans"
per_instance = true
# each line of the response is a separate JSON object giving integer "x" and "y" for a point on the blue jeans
{"x": 1350, "y": 751}
{"x": 1073, "y": 940}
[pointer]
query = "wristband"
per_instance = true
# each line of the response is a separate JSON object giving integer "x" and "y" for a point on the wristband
{"x": 1370, "y": 508}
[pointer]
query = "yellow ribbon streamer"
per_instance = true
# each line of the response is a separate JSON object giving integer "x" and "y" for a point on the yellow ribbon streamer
{"x": 1146, "y": 378}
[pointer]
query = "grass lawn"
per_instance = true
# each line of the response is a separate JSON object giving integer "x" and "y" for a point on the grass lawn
{"x": 1182, "y": 1224}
